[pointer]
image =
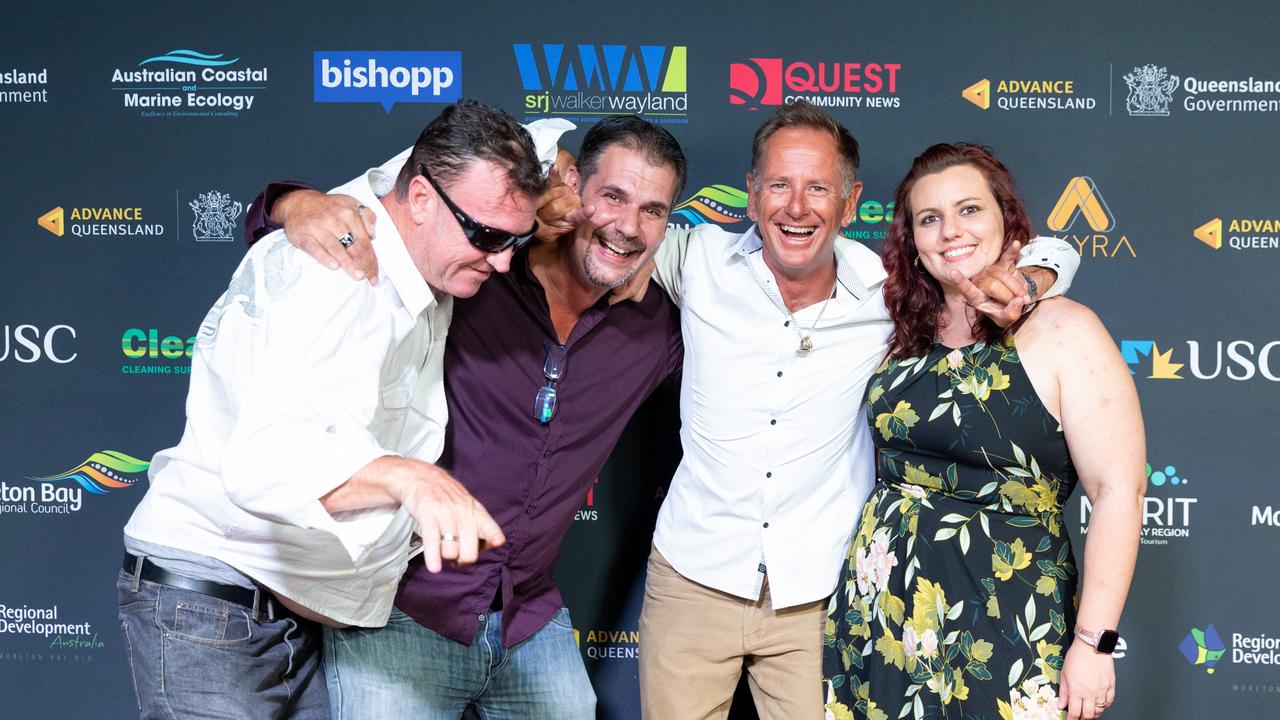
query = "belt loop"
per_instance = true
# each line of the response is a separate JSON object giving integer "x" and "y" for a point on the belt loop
{"x": 137, "y": 572}
{"x": 257, "y": 601}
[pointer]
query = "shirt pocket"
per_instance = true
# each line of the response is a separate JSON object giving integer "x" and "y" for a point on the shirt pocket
{"x": 393, "y": 408}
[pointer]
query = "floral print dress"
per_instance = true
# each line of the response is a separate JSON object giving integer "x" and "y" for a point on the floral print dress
{"x": 957, "y": 599}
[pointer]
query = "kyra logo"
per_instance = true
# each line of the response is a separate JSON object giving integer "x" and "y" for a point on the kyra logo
{"x": 1082, "y": 214}
{"x": 596, "y": 80}
{"x": 1203, "y": 647}
{"x": 387, "y": 77}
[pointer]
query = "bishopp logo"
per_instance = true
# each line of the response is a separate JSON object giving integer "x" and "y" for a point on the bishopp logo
{"x": 723, "y": 205}
{"x": 1238, "y": 360}
{"x": 63, "y": 493}
{"x": 1028, "y": 95}
{"x": 586, "y": 82}
{"x": 1167, "y": 507}
{"x": 1240, "y": 233}
{"x": 1150, "y": 91}
{"x": 1081, "y": 199}
{"x": 1203, "y": 647}
{"x": 53, "y": 221}
{"x": 215, "y": 217}
{"x": 188, "y": 83}
{"x": 387, "y": 77}
{"x": 774, "y": 81}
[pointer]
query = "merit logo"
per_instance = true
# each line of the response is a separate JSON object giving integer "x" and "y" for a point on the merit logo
{"x": 586, "y": 82}
{"x": 1240, "y": 233}
{"x": 1238, "y": 360}
{"x": 1028, "y": 95}
{"x": 187, "y": 83}
{"x": 773, "y": 81}
{"x": 1166, "y": 512}
{"x": 1081, "y": 199}
{"x": 387, "y": 77}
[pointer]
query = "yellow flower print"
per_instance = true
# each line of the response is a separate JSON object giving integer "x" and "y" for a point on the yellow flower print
{"x": 1008, "y": 558}
{"x": 898, "y": 423}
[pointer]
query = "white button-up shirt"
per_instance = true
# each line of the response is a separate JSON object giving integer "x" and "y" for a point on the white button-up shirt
{"x": 301, "y": 377}
{"x": 778, "y": 458}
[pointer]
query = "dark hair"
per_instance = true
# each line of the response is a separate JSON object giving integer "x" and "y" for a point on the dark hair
{"x": 913, "y": 296}
{"x": 801, "y": 114}
{"x": 465, "y": 132}
{"x": 657, "y": 146}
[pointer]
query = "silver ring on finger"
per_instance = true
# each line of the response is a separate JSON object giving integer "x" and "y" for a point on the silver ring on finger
{"x": 448, "y": 537}
{"x": 361, "y": 206}
{"x": 346, "y": 240}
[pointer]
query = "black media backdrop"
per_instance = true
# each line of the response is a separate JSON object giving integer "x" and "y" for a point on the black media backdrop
{"x": 1145, "y": 133}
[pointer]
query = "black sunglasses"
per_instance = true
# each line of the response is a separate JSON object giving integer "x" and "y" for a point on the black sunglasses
{"x": 483, "y": 237}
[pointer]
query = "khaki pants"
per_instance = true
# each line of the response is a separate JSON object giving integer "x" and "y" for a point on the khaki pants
{"x": 695, "y": 641}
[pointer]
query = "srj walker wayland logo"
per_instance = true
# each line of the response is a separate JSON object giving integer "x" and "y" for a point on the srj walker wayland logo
{"x": 587, "y": 82}
{"x": 63, "y": 493}
{"x": 771, "y": 81}
{"x": 189, "y": 84}
{"x": 1167, "y": 508}
{"x": 1237, "y": 360}
{"x": 1029, "y": 94}
{"x": 1240, "y": 233}
{"x": 1082, "y": 214}
{"x": 387, "y": 77}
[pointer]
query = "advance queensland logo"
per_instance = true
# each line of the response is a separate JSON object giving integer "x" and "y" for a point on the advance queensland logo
{"x": 1166, "y": 512}
{"x": 1151, "y": 92}
{"x": 187, "y": 83}
{"x": 387, "y": 77}
{"x": 1036, "y": 94}
{"x": 1240, "y": 233}
{"x": 1238, "y": 360}
{"x": 100, "y": 222}
{"x": 774, "y": 81}
{"x": 1082, "y": 201}
{"x": 63, "y": 493}
{"x": 587, "y": 82}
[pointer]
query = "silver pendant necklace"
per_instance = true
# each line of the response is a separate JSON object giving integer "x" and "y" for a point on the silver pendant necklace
{"x": 806, "y": 339}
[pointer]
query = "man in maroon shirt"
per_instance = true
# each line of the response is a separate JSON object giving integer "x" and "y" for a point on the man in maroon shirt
{"x": 542, "y": 374}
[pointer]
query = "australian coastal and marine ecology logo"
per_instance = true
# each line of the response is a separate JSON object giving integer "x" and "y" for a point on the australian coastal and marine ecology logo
{"x": 1238, "y": 360}
{"x": 63, "y": 493}
{"x": 387, "y": 77}
{"x": 846, "y": 84}
{"x": 586, "y": 82}
{"x": 1082, "y": 212}
{"x": 187, "y": 83}
{"x": 1167, "y": 507}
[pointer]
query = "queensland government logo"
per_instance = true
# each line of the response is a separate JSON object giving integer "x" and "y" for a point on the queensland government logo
{"x": 29, "y": 344}
{"x": 775, "y": 81}
{"x": 29, "y": 86}
{"x": 1082, "y": 210}
{"x": 215, "y": 217}
{"x": 585, "y": 82}
{"x": 1240, "y": 233}
{"x": 188, "y": 83}
{"x": 1034, "y": 94}
{"x": 387, "y": 77}
{"x": 1151, "y": 92}
{"x": 1238, "y": 360}
{"x": 63, "y": 493}
{"x": 1167, "y": 507}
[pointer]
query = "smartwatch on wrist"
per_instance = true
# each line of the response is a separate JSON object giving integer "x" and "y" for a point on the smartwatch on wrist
{"x": 1104, "y": 641}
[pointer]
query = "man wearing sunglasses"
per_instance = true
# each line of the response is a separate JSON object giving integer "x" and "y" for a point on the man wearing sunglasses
{"x": 542, "y": 374}
{"x": 315, "y": 416}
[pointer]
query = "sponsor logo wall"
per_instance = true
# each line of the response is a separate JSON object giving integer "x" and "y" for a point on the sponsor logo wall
{"x": 136, "y": 141}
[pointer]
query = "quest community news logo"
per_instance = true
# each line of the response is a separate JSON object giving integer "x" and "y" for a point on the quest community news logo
{"x": 1204, "y": 647}
{"x": 1167, "y": 507}
{"x": 775, "y": 81}
{"x": 188, "y": 83}
{"x": 1036, "y": 94}
{"x": 585, "y": 82}
{"x": 1151, "y": 91}
{"x": 726, "y": 206}
{"x": 63, "y": 493}
{"x": 1081, "y": 214}
{"x": 387, "y": 77}
{"x": 1238, "y": 360}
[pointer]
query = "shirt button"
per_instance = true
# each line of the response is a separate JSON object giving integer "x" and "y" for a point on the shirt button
{"x": 480, "y": 618}
{"x": 766, "y": 525}
{"x": 768, "y": 474}
{"x": 786, "y": 324}
{"x": 773, "y": 422}
{"x": 546, "y": 454}
{"x": 779, "y": 373}
{"x": 529, "y": 510}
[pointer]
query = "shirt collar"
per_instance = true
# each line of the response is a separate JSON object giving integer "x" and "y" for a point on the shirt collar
{"x": 394, "y": 263}
{"x": 750, "y": 243}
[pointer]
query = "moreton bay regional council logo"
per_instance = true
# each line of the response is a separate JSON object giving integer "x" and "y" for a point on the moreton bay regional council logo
{"x": 1150, "y": 91}
{"x": 216, "y": 215}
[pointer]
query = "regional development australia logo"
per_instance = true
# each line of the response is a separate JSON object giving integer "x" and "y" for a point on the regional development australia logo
{"x": 1203, "y": 647}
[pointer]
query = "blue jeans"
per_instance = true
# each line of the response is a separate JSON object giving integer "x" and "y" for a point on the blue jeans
{"x": 405, "y": 670}
{"x": 196, "y": 656}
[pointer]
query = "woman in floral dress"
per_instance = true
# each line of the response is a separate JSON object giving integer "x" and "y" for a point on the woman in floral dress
{"x": 959, "y": 597}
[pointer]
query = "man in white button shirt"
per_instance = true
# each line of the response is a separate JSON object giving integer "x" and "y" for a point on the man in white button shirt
{"x": 783, "y": 325}
{"x": 315, "y": 412}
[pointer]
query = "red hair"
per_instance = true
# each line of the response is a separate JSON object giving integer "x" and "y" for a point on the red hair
{"x": 913, "y": 296}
